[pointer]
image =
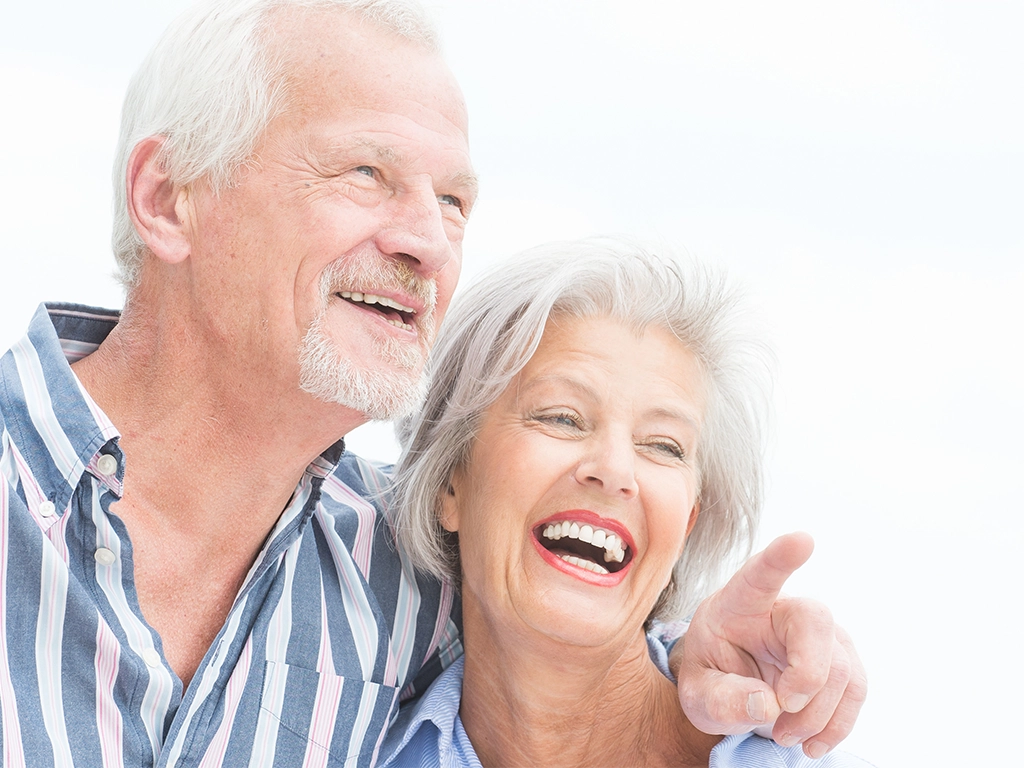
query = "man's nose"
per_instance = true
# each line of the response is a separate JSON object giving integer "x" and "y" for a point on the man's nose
{"x": 415, "y": 231}
{"x": 609, "y": 465}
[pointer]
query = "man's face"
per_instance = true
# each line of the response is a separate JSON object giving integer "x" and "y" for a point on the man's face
{"x": 336, "y": 254}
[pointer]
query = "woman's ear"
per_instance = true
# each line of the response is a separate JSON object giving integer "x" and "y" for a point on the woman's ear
{"x": 157, "y": 206}
{"x": 693, "y": 517}
{"x": 449, "y": 517}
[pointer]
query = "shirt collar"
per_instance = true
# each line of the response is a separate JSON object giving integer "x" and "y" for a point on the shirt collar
{"x": 59, "y": 429}
{"x": 438, "y": 706}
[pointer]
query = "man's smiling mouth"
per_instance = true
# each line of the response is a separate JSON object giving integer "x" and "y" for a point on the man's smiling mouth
{"x": 394, "y": 313}
{"x": 585, "y": 545}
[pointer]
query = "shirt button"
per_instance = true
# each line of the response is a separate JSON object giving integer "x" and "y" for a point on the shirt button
{"x": 106, "y": 465}
{"x": 47, "y": 509}
{"x": 151, "y": 657}
{"x": 104, "y": 556}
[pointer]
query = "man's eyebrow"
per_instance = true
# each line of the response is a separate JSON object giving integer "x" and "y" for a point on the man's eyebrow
{"x": 467, "y": 181}
{"x": 381, "y": 152}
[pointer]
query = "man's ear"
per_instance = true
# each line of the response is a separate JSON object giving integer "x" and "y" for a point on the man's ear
{"x": 449, "y": 517}
{"x": 693, "y": 517}
{"x": 157, "y": 206}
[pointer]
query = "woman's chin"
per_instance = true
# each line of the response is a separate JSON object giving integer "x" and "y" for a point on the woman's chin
{"x": 571, "y": 619}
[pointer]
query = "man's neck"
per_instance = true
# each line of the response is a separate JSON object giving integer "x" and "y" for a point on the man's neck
{"x": 211, "y": 461}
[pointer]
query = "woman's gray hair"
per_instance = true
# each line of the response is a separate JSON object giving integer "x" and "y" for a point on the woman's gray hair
{"x": 494, "y": 328}
{"x": 212, "y": 84}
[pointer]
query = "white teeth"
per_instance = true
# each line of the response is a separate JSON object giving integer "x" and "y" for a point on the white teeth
{"x": 586, "y": 564}
{"x": 617, "y": 555}
{"x": 395, "y": 305}
{"x": 614, "y": 549}
{"x": 370, "y": 298}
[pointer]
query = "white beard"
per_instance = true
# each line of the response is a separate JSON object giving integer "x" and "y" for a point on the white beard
{"x": 391, "y": 390}
{"x": 395, "y": 386}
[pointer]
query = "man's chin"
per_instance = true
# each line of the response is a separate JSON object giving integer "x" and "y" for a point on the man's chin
{"x": 380, "y": 394}
{"x": 376, "y": 403}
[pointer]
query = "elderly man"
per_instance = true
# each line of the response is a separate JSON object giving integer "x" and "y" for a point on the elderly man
{"x": 193, "y": 571}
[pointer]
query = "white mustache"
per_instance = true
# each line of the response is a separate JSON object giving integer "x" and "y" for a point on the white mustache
{"x": 377, "y": 276}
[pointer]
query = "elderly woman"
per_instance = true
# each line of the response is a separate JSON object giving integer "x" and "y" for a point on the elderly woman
{"x": 588, "y": 460}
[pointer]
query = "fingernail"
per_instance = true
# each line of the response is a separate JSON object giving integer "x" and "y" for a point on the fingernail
{"x": 756, "y": 707}
{"x": 788, "y": 740}
{"x": 796, "y": 702}
{"x": 816, "y": 749}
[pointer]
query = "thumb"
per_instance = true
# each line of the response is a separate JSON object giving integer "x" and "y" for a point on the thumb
{"x": 720, "y": 703}
{"x": 754, "y": 589}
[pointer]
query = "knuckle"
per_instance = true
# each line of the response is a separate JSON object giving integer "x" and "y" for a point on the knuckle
{"x": 857, "y": 689}
{"x": 842, "y": 670}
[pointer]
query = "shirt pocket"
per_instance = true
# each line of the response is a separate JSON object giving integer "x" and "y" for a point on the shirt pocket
{"x": 310, "y": 718}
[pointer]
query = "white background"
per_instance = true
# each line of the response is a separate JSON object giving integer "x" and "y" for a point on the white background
{"x": 857, "y": 165}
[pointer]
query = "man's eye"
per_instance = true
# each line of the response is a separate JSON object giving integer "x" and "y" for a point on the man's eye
{"x": 450, "y": 200}
{"x": 366, "y": 170}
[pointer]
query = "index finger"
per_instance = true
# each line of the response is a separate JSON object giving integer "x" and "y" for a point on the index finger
{"x": 756, "y": 586}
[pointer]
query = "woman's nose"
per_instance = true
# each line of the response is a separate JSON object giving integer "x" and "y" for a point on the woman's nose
{"x": 609, "y": 464}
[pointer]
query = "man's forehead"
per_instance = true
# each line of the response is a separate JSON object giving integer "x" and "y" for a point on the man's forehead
{"x": 312, "y": 43}
{"x": 337, "y": 60}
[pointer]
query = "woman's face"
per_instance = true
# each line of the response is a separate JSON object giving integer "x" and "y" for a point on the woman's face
{"x": 582, "y": 484}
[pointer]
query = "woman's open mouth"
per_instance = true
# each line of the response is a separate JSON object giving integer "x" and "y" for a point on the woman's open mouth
{"x": 584, "y": 545}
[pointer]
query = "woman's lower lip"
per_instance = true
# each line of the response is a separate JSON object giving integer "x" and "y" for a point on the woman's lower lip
{"x": 589, "y": 577}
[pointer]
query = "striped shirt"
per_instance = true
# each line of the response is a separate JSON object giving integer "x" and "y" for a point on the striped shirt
{"x": 329, "y": 627}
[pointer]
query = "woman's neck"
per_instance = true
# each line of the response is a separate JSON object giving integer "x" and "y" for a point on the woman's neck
{"x": 526, "y": 704}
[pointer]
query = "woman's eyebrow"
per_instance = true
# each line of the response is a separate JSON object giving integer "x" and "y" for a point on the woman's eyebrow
{"x": 572, "y": 382}
{"x": 685, "y": 416}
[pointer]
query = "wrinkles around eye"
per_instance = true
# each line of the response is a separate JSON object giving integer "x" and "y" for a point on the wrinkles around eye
{"x": 566, "y": 421}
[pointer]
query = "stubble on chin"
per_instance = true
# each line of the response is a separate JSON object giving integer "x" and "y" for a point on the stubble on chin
{"x": 393, "y": 384}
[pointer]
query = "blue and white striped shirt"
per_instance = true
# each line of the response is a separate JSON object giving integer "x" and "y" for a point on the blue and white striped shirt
{"x": 329, "y": 626}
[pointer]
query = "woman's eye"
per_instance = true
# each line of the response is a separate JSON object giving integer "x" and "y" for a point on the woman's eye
{"x": 667, "y": 448}
{"x": 568, "y": 420}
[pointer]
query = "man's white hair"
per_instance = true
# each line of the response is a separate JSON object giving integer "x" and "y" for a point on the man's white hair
{"x": 212, "y": 84}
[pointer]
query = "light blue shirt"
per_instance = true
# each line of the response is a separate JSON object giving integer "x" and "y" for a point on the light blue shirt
{"x": 429, "y": 734}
